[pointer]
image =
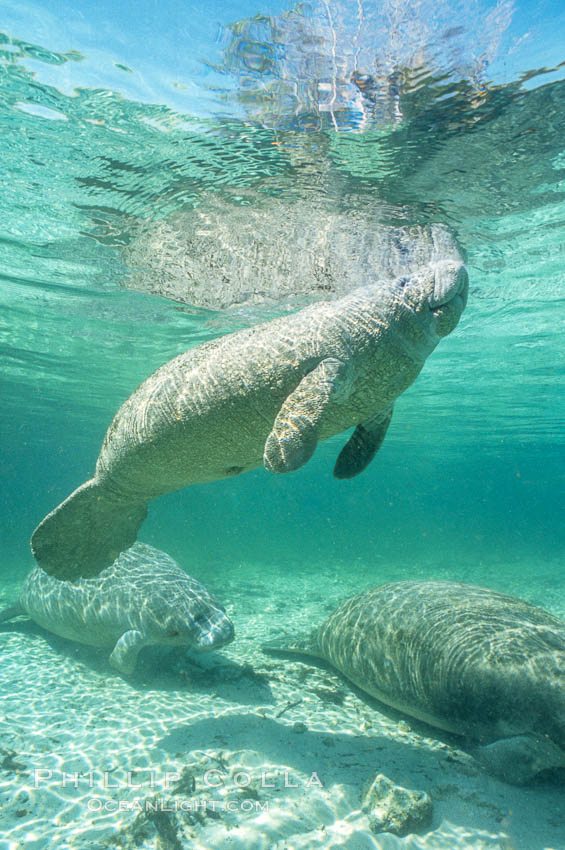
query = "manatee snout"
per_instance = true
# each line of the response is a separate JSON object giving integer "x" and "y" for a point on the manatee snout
{"x": 437, "y": 295}
{"x": 450, "y": 278}
{"x": 215, "y": 631}
{"x": 201, "y": 625}
{"x": 449, "y": 297}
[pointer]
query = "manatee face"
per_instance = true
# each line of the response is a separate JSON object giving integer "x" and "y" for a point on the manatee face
{"x": 215, "y": 630}
{"x": 199, "y": 623}
{"x": 438, "y": 295}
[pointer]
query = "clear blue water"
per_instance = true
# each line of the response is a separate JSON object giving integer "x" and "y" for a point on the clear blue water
{"x": 118, "y": 116}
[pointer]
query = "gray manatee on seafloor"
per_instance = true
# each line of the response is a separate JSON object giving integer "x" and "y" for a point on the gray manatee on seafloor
{"x": 143, "y": 599}
{"x": 463, "y": 658}
{"x": 265, "y": 395}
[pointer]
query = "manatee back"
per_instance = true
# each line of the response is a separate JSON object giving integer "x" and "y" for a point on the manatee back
{"x": 144, "y": 589}
{"x": 463, "y": 658}
{"x": 206, "y": 414}
{"x": 172, "y": 606}
{"x": 74, "y": 610}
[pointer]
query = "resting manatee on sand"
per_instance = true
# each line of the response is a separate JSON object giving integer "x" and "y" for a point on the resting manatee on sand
{"x": 265, "y": 395}
{"x": 462, "y": 658}
{"x": 143, "y": 599}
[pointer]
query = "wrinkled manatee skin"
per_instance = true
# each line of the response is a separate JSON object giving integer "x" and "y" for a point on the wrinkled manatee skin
{"x": 267, "y": 396}
{"x": 143, "y": 599}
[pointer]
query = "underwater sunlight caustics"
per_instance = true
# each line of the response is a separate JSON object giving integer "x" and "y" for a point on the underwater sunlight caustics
{"x": 245, "y": 244}
{"x": 264, "y": 395}
{"x": 466, "y": 659}
{"x": 143, "y": 599}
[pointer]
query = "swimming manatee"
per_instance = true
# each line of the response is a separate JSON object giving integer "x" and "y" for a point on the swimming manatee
{"x": 143, "y": 599}
{"x": 264, "y": 395}
{"x": 462, "y": 658}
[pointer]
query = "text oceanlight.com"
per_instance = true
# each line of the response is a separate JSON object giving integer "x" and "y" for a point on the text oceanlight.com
{"x": 193, "y": 804}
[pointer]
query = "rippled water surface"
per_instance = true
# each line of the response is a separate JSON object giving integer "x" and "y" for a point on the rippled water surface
{"x": 144, "y": 145}
{"x": 117, "y": 123}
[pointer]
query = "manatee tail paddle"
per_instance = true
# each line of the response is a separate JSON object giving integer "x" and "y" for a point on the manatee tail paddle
{"x": 86, "y": 532}
{"x": 283, "y": 647}
{"x": 11, "y": 611}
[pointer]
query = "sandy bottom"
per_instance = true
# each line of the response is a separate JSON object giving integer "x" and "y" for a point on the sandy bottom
{"x": 238, "y": 749}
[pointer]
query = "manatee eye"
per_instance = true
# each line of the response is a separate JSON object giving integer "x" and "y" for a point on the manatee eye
{"x": 172, "y": 633}
{"x": 403, "y": 281}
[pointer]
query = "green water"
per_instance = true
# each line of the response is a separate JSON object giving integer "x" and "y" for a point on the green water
{"x": 472, "y": 467}
{"x": 470, "y": 481}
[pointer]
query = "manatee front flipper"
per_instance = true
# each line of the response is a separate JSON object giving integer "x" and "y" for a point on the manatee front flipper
{"x": 86, "y": 532}
{"x": 295, "y": 433}
{"x": 518, "y": 759}
{"x": 124, "y": 655}
{"x": 363, "y": 445}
